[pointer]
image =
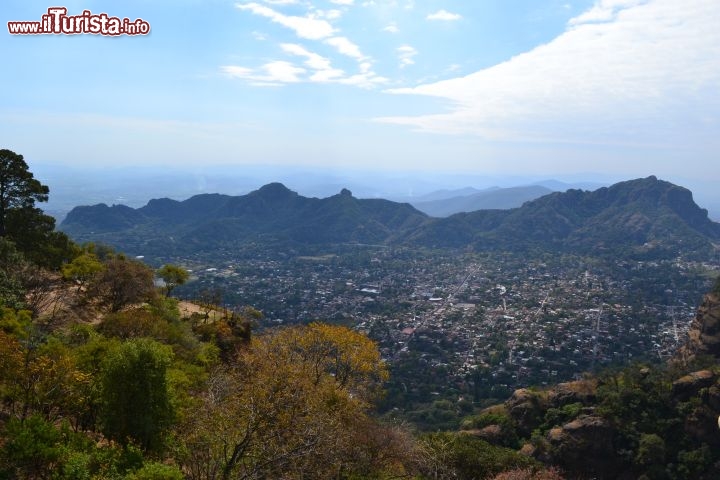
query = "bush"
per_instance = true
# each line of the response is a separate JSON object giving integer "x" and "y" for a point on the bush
{"x": 156, "y": 471}
{"x": 465, "y": 457}
{"x": 32, "y": 448}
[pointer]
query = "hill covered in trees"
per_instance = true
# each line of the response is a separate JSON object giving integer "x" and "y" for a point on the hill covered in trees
{"x": 272, "y": 214}
{"x": 646, "y": 218}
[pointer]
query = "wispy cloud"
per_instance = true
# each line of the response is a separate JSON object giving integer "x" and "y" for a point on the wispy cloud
{"x": 630, "y": 71}
{"x": 315, "y": 25}
{"x": 346, "y": 47}
{"x": 324, "y": 72}
{"x": 392, "y": 28}
{"x": 444, "y": 15}
{"x": 406, "y": 53}
{"x": 604, "y": 11}
{"x": 272, "y": 73}
{"x": 305, "y": 27}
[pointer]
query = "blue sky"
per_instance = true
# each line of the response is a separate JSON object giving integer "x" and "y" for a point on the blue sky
{"x": 623, "y": 88}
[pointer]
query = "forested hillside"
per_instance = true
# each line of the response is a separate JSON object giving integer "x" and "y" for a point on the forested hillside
{"x": 644, "y": 218}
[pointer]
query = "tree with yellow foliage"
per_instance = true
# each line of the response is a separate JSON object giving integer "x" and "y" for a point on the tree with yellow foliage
{"x": 287, "y": 408}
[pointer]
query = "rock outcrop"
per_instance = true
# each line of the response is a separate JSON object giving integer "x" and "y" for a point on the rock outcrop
{"x": 688, "y": 386}
{"x": 585, "y": 445}
{"x": 704, "y": 333}
{"x": 527, "y": 408}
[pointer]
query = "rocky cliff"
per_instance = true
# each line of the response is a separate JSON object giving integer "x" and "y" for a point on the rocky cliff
{"x": 704, "y": 333}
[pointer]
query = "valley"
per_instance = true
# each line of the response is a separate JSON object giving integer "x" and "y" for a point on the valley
{"x": 465, "y": 309}
{"x": 468, "y": 329}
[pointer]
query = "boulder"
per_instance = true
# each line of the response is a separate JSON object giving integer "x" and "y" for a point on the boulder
{"x": 527, "y": 408}
{"x": 688, "y": 386}
{"x": 585, "y": 446}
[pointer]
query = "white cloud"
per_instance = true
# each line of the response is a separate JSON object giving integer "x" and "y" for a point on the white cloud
{"x": 346, "y": 47}
{"x": 305, "y": 27}
{"x": 364, "y": 80}
{"x": 406, "y": 54}
{"x": 392, "y": 28}
{"x": 315, "y": 25}
{"x": 324, "y": 72}
{"x": 444, "y": 15}
{"x": 314, "y": 61}
{"x": 649, "y": 75}
{"x": 277, "y": 72}
{"x": 333, "y": 14}
{"x": 327, "y": 75}
{"x": 604, "y": 11}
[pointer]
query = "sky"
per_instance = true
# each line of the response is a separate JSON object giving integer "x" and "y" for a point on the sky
{"x": 555, "y": 88}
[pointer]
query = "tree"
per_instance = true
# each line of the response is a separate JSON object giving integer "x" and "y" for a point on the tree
{"x": 293, "y": 405}
{"x": 82, "y": 269}
{"x": 28, "y": 227}
{"x": 11, "y": 289}
{"x": 173, "y": 276}
{"x": 136, "y": 403}
{"x": 19, "y": 190}
{"x": 122, "y": 283}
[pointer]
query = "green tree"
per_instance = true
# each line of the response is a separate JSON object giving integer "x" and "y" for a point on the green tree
{"x": 19, "y": 190}
{"x": 31, "y": 449}
{"x": 11, "y": 288}
{"x": 461, "y": 456}
{"x": 156, "y": 471}
{"x": 173, "y": 276}
{"x": 82, "y": 269}
{"x": 28, "y": 227}
{"x": 651, "y": 450}
{"x": 135, "y": 399}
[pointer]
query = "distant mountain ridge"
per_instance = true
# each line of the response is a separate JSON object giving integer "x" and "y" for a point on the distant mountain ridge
{"x": 490, "y": 199}
{"x": 643, "y": 217}
{"x": 272, "y": 213}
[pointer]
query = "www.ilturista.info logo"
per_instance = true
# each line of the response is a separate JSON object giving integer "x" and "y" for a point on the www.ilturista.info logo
{"x": 58, "y": 22}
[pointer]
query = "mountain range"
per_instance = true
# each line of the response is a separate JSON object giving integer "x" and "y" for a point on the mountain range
{"x": 646, "y": 217}
{"x": 488, "y": 199}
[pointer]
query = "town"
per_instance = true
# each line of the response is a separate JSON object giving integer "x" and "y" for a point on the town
{"x": 467, "y": 328}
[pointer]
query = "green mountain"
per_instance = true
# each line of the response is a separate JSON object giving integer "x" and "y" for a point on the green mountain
{"x": 646, "y": 217}
{"x": 643, "y": 218}
{"x": 271, "y": 214}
